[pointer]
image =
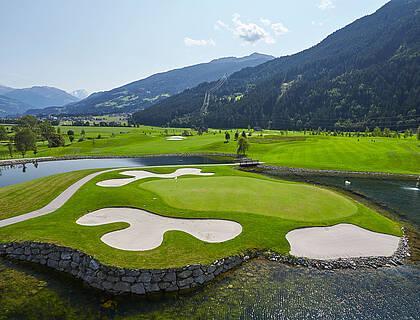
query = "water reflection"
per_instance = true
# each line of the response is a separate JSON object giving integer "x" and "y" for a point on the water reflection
{"x": 258, "y": 290}
{"x": 20, "y": 173}
{"x": 395, "y": 194}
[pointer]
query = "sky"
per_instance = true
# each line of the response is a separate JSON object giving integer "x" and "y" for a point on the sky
{"x": 102, "y": 44}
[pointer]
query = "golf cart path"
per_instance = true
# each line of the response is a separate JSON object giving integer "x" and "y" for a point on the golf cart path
{"x": 60, "y": 200}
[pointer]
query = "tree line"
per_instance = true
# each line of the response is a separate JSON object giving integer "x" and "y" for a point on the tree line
{"x": 27, "y": 132}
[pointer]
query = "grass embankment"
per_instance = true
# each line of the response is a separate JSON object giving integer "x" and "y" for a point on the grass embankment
{"x": 266, "y": 208}
{"x": 32, "y": 195}
{"x": 375, "y": 154}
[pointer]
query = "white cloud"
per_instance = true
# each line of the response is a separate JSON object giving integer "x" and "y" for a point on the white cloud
{"x": 252, "y": 32}
{"x": 326, "y": 4}
{"x": 198, "y": 43}
{"x": 266, "y": 22}
{"x": 220, "y": 25}
{"x": 279, "y": 28}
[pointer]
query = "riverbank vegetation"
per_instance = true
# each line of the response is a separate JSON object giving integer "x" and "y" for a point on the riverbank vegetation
{"x": 266, "y": 208}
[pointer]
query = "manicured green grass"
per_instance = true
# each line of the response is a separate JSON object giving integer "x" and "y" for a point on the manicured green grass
{"x": 264, "y": 224}
{"x": 294, "y": 150}
{"x": 31, "y": 195}
{"x": 289, "y": 201}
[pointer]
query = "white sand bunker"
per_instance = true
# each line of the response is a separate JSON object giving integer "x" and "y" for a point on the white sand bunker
{"x": 340, "y": 241}
{"x": 146, "y": 229}
{"x": 141, "y": 174}
{"x": 175, "y": 138}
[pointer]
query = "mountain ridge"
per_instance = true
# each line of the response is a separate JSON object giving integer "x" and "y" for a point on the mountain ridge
{"x": 145, "y": 92}
{"x": 341, "y": 79}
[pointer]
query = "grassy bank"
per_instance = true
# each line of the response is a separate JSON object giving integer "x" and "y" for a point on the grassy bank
{"x": 32, "y": 195}
{"x": 266, "y": 208}
{"x": 373, "y": 154}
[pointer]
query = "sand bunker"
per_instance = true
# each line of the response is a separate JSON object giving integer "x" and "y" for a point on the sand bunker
{"x": 175, "y": 138}
{"x": 340, "y": 241}
{"x": 146, "y": 229}
{"x": 141, "y": 174}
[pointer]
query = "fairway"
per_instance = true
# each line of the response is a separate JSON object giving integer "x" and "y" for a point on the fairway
{"x": 290, "y": 201}
{"x": 291, "y": 149}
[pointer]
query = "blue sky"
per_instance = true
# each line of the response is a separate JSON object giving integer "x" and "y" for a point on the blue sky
{"x": 100, "y": 44}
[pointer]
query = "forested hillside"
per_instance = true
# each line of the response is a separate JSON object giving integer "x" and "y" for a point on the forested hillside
{"x": 364, "y": 75}
{"x": 144, "y": 93}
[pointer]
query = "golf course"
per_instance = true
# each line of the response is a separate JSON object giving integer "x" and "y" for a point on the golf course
{"x": 281, "y": 148}
{"x": 262, "y": 211}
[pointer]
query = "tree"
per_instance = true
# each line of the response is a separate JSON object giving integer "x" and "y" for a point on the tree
{"x": 46, "y": 130}
{"x": 25, "y": 140}
{"x": 387, "y": 132}
{"x": 70, "y": 134}
{"x": 418, "y": 133}
{"x": 236, "y": 135}
{"x": 227, "y": 136}
{"x": 377, "y": 132}
{"x": 3, "y": 133}
{"x": 56, "y": 140}
{"x": 10, "y": 147}
{"x": 29, "y": 122}
{"x": 243, "y": 134}
{"x": 243, "y": 146}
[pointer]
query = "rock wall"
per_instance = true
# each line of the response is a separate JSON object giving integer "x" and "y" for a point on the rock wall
{"x": 118, "y": 280}
{"x": 142, "y": 281}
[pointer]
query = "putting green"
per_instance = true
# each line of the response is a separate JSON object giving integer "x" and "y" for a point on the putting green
{"x": 289, "y": 201}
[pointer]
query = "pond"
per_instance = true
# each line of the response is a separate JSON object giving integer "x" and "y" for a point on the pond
{"x": 257, "y": 290}
{"x": 19, "y": 173}
{"x": 401, "y": 196}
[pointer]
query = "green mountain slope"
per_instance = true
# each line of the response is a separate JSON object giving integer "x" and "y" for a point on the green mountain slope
{"x": 144, "y": 93}
{"x": 365, "y": 74}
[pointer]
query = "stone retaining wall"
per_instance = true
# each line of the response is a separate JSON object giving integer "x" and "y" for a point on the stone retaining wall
{"x": 118, "y": 280}
{"x": 142, "y": 281}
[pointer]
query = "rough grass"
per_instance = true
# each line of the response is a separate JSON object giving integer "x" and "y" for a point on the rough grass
{"x": 294, "y": 150}
{"x": 31, "y": 195}
{"x": 261, "y": 231}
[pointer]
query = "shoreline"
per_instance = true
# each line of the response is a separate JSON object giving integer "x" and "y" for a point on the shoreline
{"x": 20, "y": 161}
{"x": 267, "y": 167}
{"x": 119, "y": 281}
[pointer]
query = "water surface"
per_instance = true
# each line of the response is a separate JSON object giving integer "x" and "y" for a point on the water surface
{"x": 399, "y": 195}
{"x": 19, "y": 173}
{"x": 257, "y": 290}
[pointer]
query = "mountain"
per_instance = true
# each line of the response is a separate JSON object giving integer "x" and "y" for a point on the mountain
{"x": 144, "y": 93}
{"x": 80, "y": 94}
{"x": 11, "y": 107}
{"x": 4, "y": 89}
{"x": 41, "y": 97}
{"x": 366, "y": 74}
